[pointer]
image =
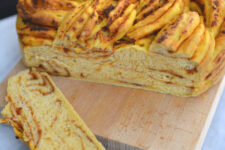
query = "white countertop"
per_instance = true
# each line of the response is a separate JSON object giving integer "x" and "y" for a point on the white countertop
{"x": 10, "y": 55}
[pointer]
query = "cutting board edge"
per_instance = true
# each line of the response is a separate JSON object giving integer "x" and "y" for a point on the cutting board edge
{"x": 211, "y": 115}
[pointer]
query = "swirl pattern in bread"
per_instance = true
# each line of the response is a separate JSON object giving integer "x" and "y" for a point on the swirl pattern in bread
{"x": 42, "y": 117}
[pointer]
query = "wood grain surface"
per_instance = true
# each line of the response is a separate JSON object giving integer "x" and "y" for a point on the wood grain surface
{"x": 145, "y": 119}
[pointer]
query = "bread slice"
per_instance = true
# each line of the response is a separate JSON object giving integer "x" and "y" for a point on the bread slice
{"x": 160, "y": 45}
{"x": 42, "y": 117}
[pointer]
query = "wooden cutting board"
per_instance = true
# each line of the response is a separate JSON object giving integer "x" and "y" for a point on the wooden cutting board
{"x": 148, "y": 120}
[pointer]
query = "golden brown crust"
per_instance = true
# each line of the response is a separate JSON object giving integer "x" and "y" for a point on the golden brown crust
{"x": 173, "y": 35}
{"x": 214, "y": 13}
{"x": 110, "y": 20}
{"x": 45, "y": 12}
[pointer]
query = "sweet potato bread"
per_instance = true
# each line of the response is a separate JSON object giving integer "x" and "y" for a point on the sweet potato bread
{"x": 169, "y": 46}
{"x": 42, "y": 117}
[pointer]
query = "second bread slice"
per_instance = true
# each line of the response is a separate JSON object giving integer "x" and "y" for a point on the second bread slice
{"x": 42, "y": 117}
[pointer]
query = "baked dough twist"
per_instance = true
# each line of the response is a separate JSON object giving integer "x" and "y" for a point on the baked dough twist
{"x": 169, "y": 46}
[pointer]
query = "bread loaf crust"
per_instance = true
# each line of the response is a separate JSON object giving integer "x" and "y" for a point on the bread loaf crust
{"x": 135, "y": 43}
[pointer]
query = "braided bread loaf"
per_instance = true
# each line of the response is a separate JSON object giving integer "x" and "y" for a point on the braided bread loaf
{"x": 42, "y": 117}
{"x": 170, "y": 46}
